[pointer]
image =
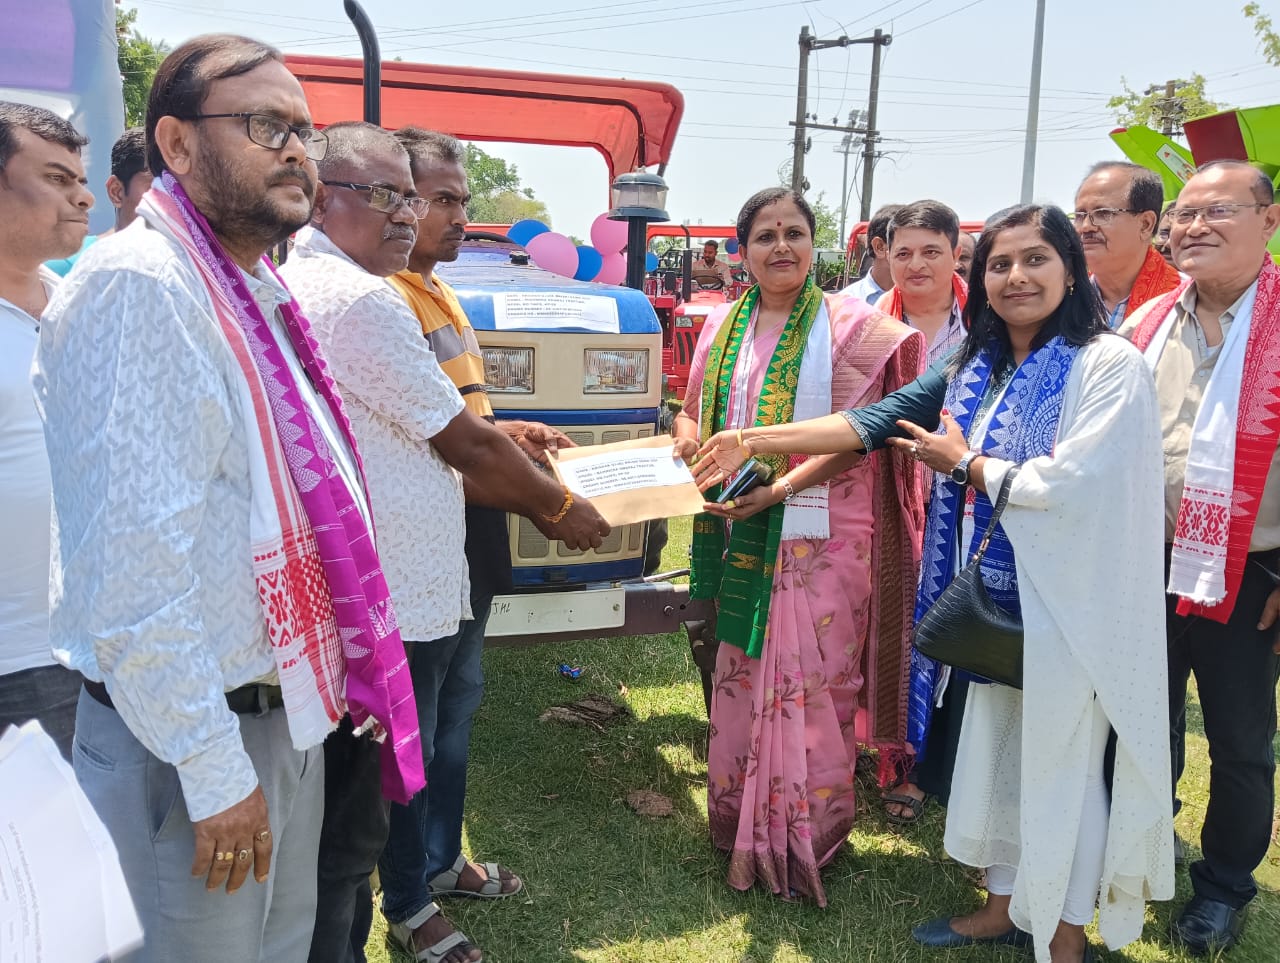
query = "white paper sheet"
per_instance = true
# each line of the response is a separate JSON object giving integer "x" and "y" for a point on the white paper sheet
{"x": 554, "y": 310}
{"x": 631, "y": 481}
{"x": 620, "y": 471}
{"x": 63, "y": 897}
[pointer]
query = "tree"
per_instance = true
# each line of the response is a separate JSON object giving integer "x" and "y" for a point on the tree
{"x": 497, "y": 196}
{"x": 139, "y": 59}
{"x": 827, "y": 218}
{"x": 506, "y": 207}
{"x": 1158, "y": 111}
{"x": 1268, "y": 39}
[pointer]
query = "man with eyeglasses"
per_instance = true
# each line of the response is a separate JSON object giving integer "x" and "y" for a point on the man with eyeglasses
{"x": 416, "y": 435}
{"x": 1212, "y": 344}
{"x": 1117, "y": 208}
{"x": 216, "y": 580}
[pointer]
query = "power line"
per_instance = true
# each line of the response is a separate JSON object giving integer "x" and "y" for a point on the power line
{"x": 921, "y": 26}
{"x": 255, "y": 16}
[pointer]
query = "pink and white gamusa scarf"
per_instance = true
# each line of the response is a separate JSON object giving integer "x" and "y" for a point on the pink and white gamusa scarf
{"x": 1232, "y": 445}
{"x": 327, "y": 607}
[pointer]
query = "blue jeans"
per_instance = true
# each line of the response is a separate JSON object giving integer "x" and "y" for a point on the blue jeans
{"x": 426, "y": 835}
{"x": 48, "y": 694}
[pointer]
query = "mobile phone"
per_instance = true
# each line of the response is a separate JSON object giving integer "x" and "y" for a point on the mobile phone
{"x": 749, "y": 476}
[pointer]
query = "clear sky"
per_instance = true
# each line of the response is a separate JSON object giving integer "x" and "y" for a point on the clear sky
{"x": 952, "y": 94}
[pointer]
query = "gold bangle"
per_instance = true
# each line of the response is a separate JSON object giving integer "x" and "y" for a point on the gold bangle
{"x": 564, "y": 509}
{"x": 740, "y": 443}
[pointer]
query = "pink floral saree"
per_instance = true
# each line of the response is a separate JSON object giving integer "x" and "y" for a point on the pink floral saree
{"x": 833, "y": 671}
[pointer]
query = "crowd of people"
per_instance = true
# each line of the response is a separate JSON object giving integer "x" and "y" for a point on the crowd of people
{"x": 279, "y": 500}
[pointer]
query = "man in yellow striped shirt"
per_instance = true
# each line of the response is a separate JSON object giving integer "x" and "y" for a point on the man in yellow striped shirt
{"x": 423, "y": 858}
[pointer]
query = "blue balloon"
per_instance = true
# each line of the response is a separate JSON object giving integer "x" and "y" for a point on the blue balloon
{"x": 589, "y": 263}
{"x": 731, "y": 246}
{"x": 651, "y": 262}
{"x": 522, "y": 232}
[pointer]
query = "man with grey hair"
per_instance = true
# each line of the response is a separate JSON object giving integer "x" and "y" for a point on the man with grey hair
{"x": 415, "y": 434}
{"x": 1117, "y": 209}
{"x": 44, "y": 214}
{"x": 1211, "y": 344}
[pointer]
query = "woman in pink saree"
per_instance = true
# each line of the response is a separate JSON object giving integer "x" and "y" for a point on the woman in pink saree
{"x": 814, "y": 573}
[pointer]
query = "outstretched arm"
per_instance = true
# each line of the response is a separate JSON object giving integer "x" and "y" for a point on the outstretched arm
{"x": 863, "y": 429}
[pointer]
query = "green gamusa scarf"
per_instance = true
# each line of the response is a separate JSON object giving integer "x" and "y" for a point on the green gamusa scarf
{"x": 739, "y": 573}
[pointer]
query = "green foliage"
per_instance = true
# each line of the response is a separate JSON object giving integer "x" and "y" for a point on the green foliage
{"x": 1152, "y": 108}
{"x": 1268, "y": 39}
{"x": 490, "y": 175}
{"x": 497, "y": 196}
{"x": 827, "y": 218}
{"x": 506, "y": 207}
{"x": 139, "y": 59}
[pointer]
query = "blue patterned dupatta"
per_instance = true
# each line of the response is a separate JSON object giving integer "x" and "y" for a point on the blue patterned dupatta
{"x": 1023, "y": 425}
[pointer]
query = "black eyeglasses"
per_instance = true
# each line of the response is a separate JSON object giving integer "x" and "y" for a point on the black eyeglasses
{"x": 385, "y": 200}
{"x": 1212, "y": 214}
{"x": 273, "y": 133}
{"x": 1101, "y": 216}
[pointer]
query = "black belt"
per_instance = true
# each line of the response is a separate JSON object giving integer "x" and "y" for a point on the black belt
{"x": 246, "y": 700}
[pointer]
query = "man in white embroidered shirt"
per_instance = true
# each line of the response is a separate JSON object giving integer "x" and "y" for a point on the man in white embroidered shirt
{"x": 1212, "y": 343}
{"x": 44, "y": 208}
{"x": 415, "y": 434}
{"x": 207, "y": 584}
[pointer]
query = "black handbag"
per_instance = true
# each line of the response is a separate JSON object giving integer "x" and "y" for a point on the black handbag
{"x": 964, "y": 628}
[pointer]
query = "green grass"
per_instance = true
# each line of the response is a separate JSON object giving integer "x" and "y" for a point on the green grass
{"x": 604, "y": 885}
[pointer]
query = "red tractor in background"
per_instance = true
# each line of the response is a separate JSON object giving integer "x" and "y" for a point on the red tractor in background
{"x": 681, "y": 302}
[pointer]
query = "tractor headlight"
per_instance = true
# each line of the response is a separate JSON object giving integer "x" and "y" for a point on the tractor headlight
{"x": 508, "y": 370}
{"x": 613, "y": 371}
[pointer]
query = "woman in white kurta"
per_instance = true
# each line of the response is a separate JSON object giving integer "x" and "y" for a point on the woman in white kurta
{"x": 1038, "y": 383}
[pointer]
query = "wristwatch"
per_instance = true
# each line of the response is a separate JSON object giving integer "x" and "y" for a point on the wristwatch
{"x": 960, "y": 474}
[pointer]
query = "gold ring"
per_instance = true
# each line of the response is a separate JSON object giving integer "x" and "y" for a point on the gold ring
{"x": 263, "y": 836}
{"x": 730, "y": 504}
{"x": 242, "y": 855}
{"x": 223, "y": 857}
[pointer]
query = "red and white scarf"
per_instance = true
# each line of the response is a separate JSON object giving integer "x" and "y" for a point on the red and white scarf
{"x": 892, "y": 305}
{"x": 1233, "y": 442}
{"x": 327, "y": 608}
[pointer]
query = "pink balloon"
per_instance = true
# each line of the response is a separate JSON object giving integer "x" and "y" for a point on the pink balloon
{"x": 608, "y": 237}
{"x": 555, "y": 253}
{"x": 613, "y": 270}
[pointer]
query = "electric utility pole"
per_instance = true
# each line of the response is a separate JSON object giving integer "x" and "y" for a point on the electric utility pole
{"x": 881, "y": 39}
{"x": 1033, "y": 109}
{"x": 810, "y": 43}
{"x": 848, "y": 145}
{"x": 1170, "y": 107}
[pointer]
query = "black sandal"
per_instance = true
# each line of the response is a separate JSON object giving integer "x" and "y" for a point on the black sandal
{"x": 915, "y": 808}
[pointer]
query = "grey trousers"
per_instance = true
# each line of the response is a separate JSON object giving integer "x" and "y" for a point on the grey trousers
{"x": 140, "y": 800}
